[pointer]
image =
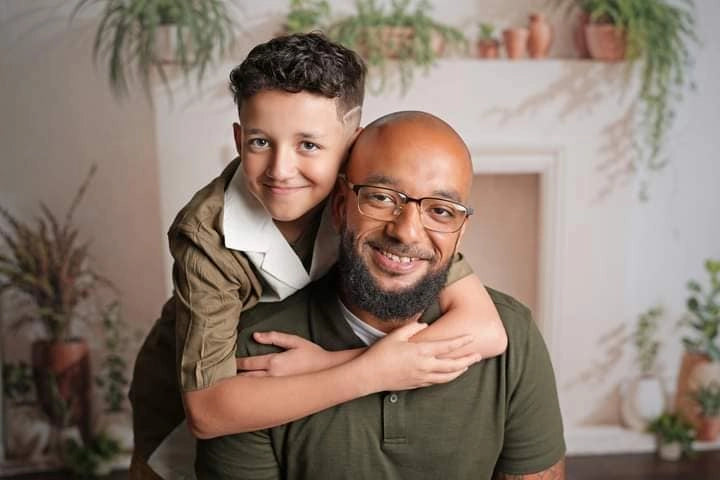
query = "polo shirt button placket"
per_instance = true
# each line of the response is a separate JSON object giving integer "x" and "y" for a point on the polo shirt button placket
{"x": 394, "y": 425}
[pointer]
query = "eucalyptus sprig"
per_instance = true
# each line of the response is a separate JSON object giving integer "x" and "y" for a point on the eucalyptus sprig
{"x": 645, "y": 340}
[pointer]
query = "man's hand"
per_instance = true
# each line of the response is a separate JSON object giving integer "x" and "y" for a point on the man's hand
{"x": 300, "y": 356}
{"x": 396, "y": 363}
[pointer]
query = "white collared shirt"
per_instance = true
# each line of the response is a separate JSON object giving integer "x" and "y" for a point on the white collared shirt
{"x": 249, "y": 228}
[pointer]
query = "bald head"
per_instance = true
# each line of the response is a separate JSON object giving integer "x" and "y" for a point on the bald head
{"x": 416, "y": 137}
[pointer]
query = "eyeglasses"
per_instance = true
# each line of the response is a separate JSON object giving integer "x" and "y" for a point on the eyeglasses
{"x": 386, "y": 204}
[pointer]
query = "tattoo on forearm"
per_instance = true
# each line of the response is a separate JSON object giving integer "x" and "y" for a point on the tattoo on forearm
{"x": 556, "y": 472}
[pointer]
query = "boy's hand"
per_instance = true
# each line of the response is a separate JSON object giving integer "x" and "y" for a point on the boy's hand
{"x": 396, "y": 363}
{"x": 300, "y": 356}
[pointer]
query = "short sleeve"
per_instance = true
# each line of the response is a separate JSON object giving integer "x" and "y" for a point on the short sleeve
{"x": 533, "y": 431}
{"x": 213, "y": 285}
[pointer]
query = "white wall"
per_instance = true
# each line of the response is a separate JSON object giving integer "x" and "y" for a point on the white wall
{"x": 57, "y": 117}
{"x": 618, "y": 256}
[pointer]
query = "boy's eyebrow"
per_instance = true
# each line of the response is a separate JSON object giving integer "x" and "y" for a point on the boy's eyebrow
{"x": 313, "y": 135}
{"x": 385, "y": 180}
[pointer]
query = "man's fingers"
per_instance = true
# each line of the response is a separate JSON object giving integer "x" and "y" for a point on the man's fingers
{"x": 279, "y": 339}
{"x": 408, "y": 330}
{"x": 258, "y": 362}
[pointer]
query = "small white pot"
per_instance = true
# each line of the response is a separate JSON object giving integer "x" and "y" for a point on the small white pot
{"x": 671, "y": 451}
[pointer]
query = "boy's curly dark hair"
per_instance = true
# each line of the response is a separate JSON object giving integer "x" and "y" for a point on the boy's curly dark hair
{"x": 301, "y": 62}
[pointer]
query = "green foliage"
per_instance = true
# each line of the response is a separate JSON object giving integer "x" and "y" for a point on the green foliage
{"x": 671, "y": 427}
{"x": 365, "y": 32}
{"x": 47, "y": 262}
{"x": 86, "y": 460}
{"x": 644, "y": 339}
{"x": 487, "y": 31}
{"x": 659, "y": 35}
{"x": 704, "y": 314}
{"x": 112, "y": 375}
{"x": 306, "y": 15}
{"x": 707, "y": 397}
{"x": 17, "y": 382}
{"x": 127, "y": 37}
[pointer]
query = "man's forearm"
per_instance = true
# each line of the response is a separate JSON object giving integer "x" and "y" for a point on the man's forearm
{"x": 556, "y": 472}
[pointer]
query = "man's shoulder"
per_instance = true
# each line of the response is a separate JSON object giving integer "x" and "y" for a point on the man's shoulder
{"x": 206, "y": 206}
{"x": 516, "y": 317}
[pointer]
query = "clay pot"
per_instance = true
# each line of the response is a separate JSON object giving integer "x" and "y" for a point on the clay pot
{"x": 687, "y": 382}
{"x": 62, "y": 379}
{"x": 488, "y": 48}
{"x": 709, "y": 429}
{"x": 540, "y": 36}
{"x": 394, "y": 41}
{"x": 579, "y": 35}
{"x": 605, "y": 41}
{"x": 516, "y": 40}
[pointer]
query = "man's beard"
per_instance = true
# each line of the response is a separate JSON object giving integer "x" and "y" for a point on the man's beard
{"x": 362, "y": 291}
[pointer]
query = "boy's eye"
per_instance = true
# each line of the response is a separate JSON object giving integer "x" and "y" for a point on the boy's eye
{"x": 309, "y": 146}
{"x": 258, "y": 142}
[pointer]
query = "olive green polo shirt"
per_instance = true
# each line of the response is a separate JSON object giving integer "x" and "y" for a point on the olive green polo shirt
{"x": 502, "y": 413}
{"x": 192, "y": 345}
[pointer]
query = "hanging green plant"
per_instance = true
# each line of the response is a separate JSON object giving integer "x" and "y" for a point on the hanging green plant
{"x": 132, "y": 34}
{"x": 658, "y": 35}
{"x": 408, "y": 38}
{"x": 307, "y": 15}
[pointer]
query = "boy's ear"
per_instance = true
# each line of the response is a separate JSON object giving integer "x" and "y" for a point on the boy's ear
{"x": 237, "y": 133}
{"x": 337, "y": 203}
{"x": 355, "y": 135}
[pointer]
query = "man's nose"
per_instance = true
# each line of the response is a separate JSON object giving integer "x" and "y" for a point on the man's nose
{"x": 407, "y": 226}
{"x": 283, "y": 164}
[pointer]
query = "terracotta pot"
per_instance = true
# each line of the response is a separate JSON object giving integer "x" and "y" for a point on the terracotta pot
{"x": 579, "y": 35}
{"x": 540, "y": 36}
{"x": 62, "y": 379}
{"x": 684, "y": 403}
{"x": 488, "y": 48}
{"x": 709, "y": 429}
{"x": 605, "y": 42}
{"x": 394, "y": 41}
{"x": 516, "y": 40}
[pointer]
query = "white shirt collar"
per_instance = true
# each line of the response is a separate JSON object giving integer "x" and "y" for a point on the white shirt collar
{"x": 249, "y": 228}
{"x": 364, "y": 331}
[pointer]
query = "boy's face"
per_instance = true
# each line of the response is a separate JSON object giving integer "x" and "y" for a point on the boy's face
{"x": 292, "y": 145}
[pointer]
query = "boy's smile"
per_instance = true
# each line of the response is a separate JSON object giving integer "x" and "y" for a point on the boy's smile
{"x": 291, "y": 146}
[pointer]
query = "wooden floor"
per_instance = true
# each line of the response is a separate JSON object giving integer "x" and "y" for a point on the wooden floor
{"x": 705, "y": 466}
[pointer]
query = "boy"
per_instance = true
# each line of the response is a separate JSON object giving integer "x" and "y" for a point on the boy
{"x": 258, "y": 234}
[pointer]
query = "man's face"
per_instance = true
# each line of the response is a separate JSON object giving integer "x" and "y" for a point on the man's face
{"x": 420, "y": 162}
{"x": 291, "y": 146}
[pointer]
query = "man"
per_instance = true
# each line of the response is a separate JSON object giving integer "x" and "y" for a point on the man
{"x": 400, "y": 209}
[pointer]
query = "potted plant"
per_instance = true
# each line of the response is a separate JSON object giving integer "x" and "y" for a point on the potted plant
{"x": 657, "y": 34}
{"x": 488, "y": 45}
{"x": 702, "y": 348}
{"x": 674, "y": 436}
{"x": 644, "y": 397}
{"x": 707, "y": 398}
{"x": 409, "y": 37}
{"x": 306, "y": 15}
{"x": 139, "y": 37}
{"x": 27, "y": 432}
{"x": 46, "y": 262}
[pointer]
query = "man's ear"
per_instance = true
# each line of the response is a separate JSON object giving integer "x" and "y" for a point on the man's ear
{"x": 237, "y": 133}
{"x": 338, "y": 200}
